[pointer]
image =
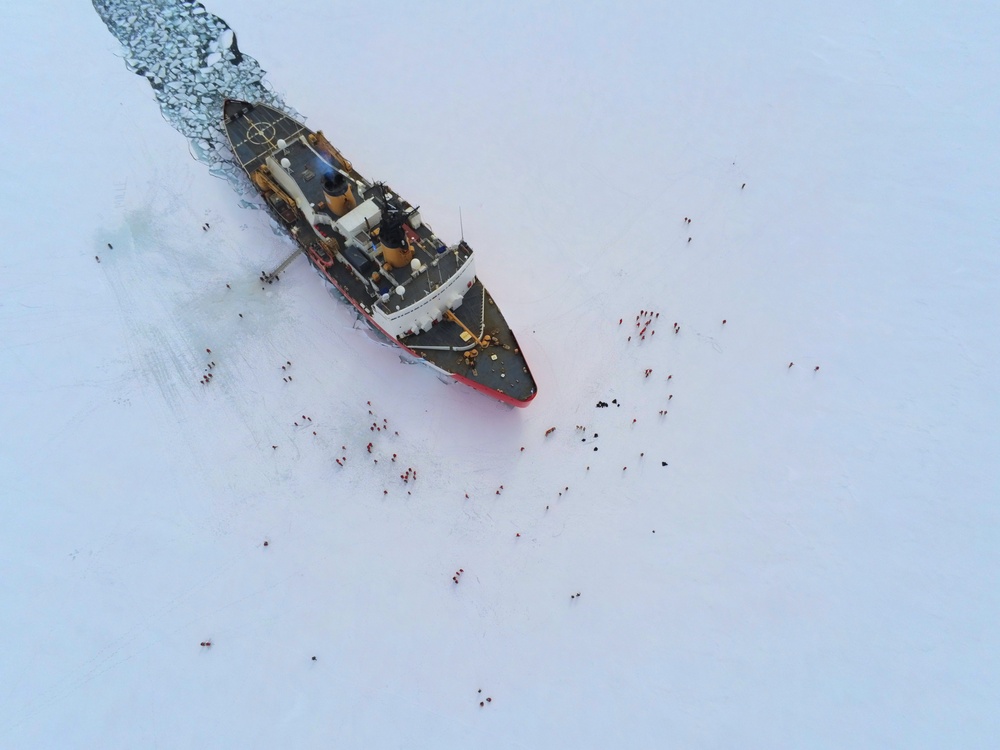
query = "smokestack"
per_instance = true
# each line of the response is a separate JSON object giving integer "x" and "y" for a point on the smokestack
{"x": 392, "y": 241}
{"x": 337, "y": 191}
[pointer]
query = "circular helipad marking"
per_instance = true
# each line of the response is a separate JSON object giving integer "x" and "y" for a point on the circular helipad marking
{"x": 260, "y": 133}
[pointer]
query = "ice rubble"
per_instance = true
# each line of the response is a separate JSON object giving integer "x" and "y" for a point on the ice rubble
{"x": 191, "y": 59}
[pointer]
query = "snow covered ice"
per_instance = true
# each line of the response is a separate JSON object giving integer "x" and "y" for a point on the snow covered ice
{"x": 792, "y": 558}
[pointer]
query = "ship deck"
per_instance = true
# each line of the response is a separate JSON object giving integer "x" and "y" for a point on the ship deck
{"x": 256, "y": 134}
{"x": 254, "y": 131}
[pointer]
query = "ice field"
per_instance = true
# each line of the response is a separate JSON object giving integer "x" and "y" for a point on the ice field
{"x": 794, "y": 557}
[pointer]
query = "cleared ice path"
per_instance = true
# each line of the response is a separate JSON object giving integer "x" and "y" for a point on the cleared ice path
{"x": 193, "y": 63}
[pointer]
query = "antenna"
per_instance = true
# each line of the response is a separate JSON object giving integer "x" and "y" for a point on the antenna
{"x": 460, "y": 225}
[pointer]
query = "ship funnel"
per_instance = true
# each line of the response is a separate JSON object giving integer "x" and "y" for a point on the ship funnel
{"x": 337, "y": 191}
{"x": 392, "y": 241}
